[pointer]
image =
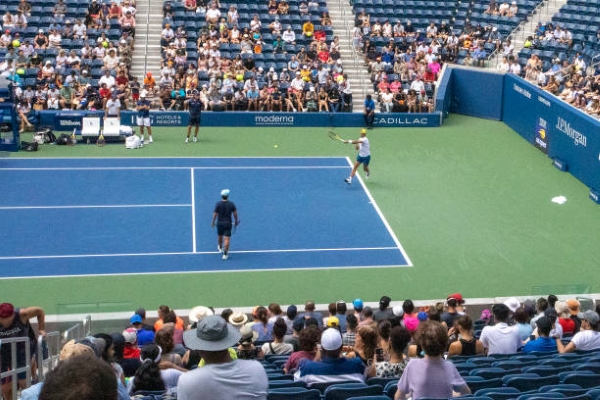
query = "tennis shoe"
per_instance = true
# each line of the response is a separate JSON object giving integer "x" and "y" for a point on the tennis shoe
{"x": 187, "y": 140}
{"x": 219, "y": 249}
{"x": 368, "y": 175}
{"x": 195, "y": 139}
{"x": 150, "y": 139}
{"x": 225, "y": 256}
{"x": 348, "y": 181}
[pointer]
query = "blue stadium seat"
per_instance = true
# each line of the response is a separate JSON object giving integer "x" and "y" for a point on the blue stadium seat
{"x": 540, "y": 396}
{"x": 500, "y": 393}
{"x": 585, "y": 379}
{"x": 293, "y": 393}
{"x": 525, "y": 383}
{"x": 347, "y": 390}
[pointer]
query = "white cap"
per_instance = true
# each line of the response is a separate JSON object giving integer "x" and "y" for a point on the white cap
{"x": 225, "y": 192}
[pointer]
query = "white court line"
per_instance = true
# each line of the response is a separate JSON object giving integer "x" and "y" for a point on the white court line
{"x": 193, "y": 211}
{"x": 383, "y": 219}
{"x": 190, "y": 253}
{"x": 169, "y": 168}
{"x": 92, "y": 206}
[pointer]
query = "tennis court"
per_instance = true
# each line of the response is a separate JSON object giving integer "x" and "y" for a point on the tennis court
{"x": 95, "y": 216}
{"x": 470, "y": 203}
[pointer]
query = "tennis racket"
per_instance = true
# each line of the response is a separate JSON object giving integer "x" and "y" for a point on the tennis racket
{"x": 334, "y": 136}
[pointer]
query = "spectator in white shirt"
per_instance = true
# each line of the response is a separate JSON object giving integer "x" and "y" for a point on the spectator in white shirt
{"x": 500, "y": 338}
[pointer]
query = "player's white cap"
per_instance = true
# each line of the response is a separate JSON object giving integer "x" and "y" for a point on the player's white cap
{"x": 225, "y": 192}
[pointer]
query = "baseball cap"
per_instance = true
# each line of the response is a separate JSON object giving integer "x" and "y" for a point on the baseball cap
{"x": 333, "y": 321}
{"x": 358, "y": 304}
{"x": 364, "y": 131}
{"x": 135, "y": 319}
{"x": 398, "y": 311}
{"x": 72, "y": 348}
{"x": 6, "y": 310}
{"x": 512, "y": 304}
{"x": 130, "y": 335}
{"x": 213, "y": 333}
{"x": 331, "y": 339}
{"x": 456, "y": 296}
{"x": 248, "y": 334}
{"x": 590, "y": 316}
{"x": 225, "y": 192}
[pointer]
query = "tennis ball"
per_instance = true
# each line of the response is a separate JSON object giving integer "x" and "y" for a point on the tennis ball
{"x": 275, "y": 146}
{"x": 16, "y": 43}
{"x": 105, "y": 44}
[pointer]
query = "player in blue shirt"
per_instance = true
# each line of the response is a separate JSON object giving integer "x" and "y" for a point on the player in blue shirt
{"x": 143, "y": 117}
{"x": 195, "y": 110}
{"x": 369, "y": 113}
{"x": 224, "y": 209}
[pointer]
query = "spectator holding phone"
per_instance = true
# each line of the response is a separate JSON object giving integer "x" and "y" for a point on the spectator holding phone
{"x": 394, "y": 365}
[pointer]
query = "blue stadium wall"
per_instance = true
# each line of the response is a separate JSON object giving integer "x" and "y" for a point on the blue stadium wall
{"x": 69, "y": 120}
{"x": 569, "y": 137}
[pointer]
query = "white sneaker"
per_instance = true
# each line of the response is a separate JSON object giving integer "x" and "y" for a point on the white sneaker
{"x": 348, "y": 180}
{"x": 368, "y": 175}
{"x": 187, "y": 140}
{"x": 225, "y": 256}
{"x": 219, "y": 249}
{"x": 195, "y": 139}
{"x": 150, "y": 139}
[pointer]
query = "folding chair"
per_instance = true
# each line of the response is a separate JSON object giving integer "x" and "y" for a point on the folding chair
{"x": 90, "y": 126}
{"x": 112, "y": 127}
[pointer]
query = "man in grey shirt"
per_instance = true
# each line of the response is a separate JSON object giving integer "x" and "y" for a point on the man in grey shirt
{"x": 221, "y": 378}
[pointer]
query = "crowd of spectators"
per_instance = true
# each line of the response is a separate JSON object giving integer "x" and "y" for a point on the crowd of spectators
{"x": 260, "y": 65}
{"x": 74, "y": 62}
{"x": 343, "y": 345}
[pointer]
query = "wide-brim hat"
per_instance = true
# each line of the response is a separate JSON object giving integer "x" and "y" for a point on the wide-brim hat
{"x": 238, "y": 319}
{"x": 213, "y": 333}
{"x": 199, "y": 312}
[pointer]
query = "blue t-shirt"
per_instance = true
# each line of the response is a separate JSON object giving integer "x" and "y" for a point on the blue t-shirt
{"x": 541, "y": 344}
{"x": 369, "y": 104}
{"x": 144, "y": 113}
{"x": 224, "y": 209}
{"x": 195, "y": 107}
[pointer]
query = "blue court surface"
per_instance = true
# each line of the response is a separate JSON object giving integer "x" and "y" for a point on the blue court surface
{"x": 95, "y": 216}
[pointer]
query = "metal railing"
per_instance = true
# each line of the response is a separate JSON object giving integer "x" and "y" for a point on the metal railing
{"x": 16, "y": 370}
{"x": 48, "y": 352}
{"x": 79, "y": 330}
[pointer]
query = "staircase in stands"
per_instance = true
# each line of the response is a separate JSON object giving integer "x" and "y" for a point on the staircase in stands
{"x": 147, "y": 53}
{"x": 543, "y": 13}
{"x": 342, "y": 20}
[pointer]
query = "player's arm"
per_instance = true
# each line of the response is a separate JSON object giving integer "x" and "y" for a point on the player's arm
{"x": 357, "y": 141}
{"x": 214, "y": 218}
{"x": 235, "y": 216}
{"x": 35, "y": 312}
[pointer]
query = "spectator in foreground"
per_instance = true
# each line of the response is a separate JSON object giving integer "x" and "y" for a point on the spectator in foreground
{"x": 500, "y": 338}
{"x": 221, "y": 377}
{"x": 80, "y": 377}
{"x": 466, "y": 344}
{"x": 331, "y": 367}
{"x": 396, "y": 363}
{"x": 588, "y": 337}
{"x": 543, "y": 343}
{"x": 416, "y": 378}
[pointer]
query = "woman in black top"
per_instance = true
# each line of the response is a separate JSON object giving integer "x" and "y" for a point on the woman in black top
{"x": 466, "y": 345}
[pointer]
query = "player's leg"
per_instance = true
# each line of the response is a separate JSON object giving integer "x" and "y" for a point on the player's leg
{"x": 149, "y": 128}
{"x": 366, "y": 166}
{"x": 348, "y": 180}
{"x": 226, "y": 241}
{"x": 189, "y": 131}
{"x": 196, "y": 130}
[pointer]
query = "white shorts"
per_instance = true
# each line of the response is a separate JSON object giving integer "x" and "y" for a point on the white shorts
{"x": 143, "y": 121}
